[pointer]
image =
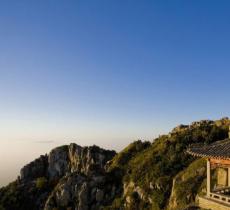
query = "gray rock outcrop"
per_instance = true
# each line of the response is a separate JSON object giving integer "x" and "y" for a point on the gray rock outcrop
{"x": 68, "y": 159}
{"x": 80, "y": 174}
{"x": 35, "y": 169}
{"x": 80, "y": 192}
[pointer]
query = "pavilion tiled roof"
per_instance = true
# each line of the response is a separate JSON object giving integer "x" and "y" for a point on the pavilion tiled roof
{"x": 217, "y": 150}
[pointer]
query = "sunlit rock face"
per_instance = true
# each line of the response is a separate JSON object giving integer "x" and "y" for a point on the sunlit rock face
{"x": 58, "y": 162}
{"x": 87, "y": 160}
{"x": 82, "y": 192}
{"x": 81, "y": 181}
{"x": 68, "y": 159}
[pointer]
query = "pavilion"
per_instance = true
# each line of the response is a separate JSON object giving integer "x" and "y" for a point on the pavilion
{"x": 218, "y": 174}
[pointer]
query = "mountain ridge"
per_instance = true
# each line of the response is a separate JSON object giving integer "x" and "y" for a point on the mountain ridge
{"x": 145, "y": 175}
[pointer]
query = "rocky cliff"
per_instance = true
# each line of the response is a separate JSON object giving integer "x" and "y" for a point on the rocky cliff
{"x": 65, "y": 160}
{"x": 145, "y": 175}
{"x": 69, "y": 177}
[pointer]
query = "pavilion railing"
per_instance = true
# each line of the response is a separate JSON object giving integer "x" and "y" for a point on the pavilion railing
{"x": 220, "y": 197}
{"x": 222, "y": 190}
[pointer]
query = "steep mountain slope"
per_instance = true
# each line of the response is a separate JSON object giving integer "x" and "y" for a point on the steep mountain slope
{"x": 157, "y": 176}
{"x": 148, "y": 174}
{"x": 187, "y": 184}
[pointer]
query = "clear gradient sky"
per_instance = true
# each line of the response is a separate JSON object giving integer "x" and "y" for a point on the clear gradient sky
{"x": 107, "y": 72}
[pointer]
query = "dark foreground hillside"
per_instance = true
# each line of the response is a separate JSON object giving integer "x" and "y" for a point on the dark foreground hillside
{"x": 156, "y": 176}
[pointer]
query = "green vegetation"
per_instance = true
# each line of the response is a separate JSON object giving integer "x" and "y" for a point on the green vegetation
{"x": 157, "y": 164}
{"x": 192, "y": 177}
{"x": 17, "y": 196}
{"x": 1, "y": 208}
{"x": 121, "y": 159}
{"x": 41, "y": 183}
{"x": 10, "y": 196}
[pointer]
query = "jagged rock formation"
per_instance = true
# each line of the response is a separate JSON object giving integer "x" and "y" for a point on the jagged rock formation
{"x": 146, "y": 176}
{"x": 85, "y": 183}
{"x": 82, "y": 192}
{"x": 72, "y": 177}
{"x": 67, "y": 159}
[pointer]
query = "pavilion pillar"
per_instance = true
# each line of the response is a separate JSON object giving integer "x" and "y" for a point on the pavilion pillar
{"x": 208, "y": 178}
{"x": 228, "y": 176}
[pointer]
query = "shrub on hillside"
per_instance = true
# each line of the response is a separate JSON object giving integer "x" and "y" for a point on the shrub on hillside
{"x": 41, "y": 183}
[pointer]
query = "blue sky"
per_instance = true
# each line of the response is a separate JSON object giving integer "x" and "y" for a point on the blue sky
{"x": 109, "y": 72}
